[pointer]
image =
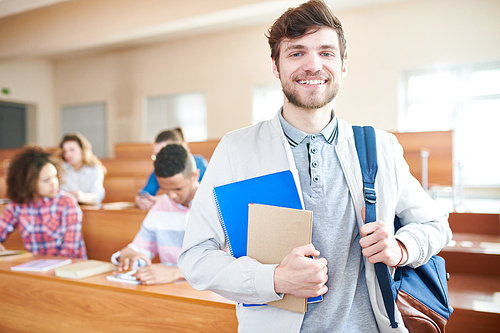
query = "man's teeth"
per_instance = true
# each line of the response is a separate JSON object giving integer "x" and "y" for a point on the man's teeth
{"x": 312, "y": 82}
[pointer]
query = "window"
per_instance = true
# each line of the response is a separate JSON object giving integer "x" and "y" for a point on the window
{"x": 465, "y": 99}
{"x": 188, "y": 111}
{"x": 267, "y": 100}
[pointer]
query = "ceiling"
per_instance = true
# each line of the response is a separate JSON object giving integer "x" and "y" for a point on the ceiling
{"x": 12, "y": 7}
{"x": 21, "y": 39}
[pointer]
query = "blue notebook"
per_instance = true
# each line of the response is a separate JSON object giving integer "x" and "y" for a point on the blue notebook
{"x": 276, "y": 189}
{"x": 232, "y": 200}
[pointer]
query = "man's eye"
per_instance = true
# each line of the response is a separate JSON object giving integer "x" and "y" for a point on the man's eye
{"x": 296, "y": 54}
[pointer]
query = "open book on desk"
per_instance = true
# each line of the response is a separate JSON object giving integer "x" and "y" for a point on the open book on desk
{"x": 41, "y": 265}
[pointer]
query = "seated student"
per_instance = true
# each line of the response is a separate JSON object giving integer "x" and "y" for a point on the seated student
{"x": 147, "y": 196}
{"x": 50, "y": 221}
{"x": 84, "y": 172}
{"x": 162, "y": 231}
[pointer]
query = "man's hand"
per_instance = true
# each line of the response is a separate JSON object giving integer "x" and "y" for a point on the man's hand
{"x": 2, "y": 248}
{"x": 380, "y": 245}
{"x": 158, "y": 274}
{"x": 128, "y": 257}
{"x": 145, "y": 202}
{"x": 300, "y": 275}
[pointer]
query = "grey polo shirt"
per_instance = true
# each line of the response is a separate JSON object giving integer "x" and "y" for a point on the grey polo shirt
{"x": 346, "y": 306}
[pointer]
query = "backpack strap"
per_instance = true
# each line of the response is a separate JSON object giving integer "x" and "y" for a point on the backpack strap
{"x": 366, "y": 146}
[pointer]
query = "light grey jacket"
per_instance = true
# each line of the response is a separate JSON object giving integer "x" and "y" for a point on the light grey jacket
{"x": 262, "y": 149}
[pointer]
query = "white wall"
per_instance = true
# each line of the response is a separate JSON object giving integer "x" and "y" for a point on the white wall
{"x": 32, "y": 82}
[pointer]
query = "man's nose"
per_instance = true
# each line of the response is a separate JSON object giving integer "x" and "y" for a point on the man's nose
{"x": 313, "y": 63}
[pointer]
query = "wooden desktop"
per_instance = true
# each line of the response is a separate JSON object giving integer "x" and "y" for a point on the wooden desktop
{"x": 42, "y": 302}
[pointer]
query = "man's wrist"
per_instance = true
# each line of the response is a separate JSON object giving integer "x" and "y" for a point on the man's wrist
{"x": 404, "y": 253}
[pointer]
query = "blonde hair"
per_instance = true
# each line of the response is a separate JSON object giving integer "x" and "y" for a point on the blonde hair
{"x": 88, "y": 157}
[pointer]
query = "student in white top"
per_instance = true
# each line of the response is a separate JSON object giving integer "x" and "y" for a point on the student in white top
{"x": 307, "y": 137}
{"x": 84, "y": 172}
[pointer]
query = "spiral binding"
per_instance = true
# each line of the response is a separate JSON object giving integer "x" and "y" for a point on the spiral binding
{"x": 222, "y": 223}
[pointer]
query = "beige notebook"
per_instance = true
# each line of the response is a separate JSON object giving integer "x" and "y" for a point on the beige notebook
{"x": 272, "y": 233}
{"x": 84, "y": 269}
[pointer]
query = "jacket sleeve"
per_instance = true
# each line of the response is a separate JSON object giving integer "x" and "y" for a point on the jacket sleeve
{"x": 204, "y": 262}
{"x": 152, "y": 185}
{"x": 425, "y": 229}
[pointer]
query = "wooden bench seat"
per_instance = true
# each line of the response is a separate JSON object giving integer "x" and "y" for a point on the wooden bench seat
{"x": 128, "y": 167}
{"x": 122, "y": 188}
{"x": 475, "y": 223}
{"x": 476, "y": 303}
{"x": 439, "y": 144}
{"x": 104, "y": 231}
{"x": 108, "y": 231}
{"x": 473, "y": 254}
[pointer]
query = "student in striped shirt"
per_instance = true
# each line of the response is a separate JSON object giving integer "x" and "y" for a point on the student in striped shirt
{"x": 162, "y": 231}
{"x": 50, "y": 221}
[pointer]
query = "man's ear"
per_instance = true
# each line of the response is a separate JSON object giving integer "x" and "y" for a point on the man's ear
{"x": 344, "y": 68}
{"x": 276, "y": 72}
{"x": 195, "y": 176}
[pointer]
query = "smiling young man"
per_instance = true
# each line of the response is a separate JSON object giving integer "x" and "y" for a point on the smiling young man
{"x": 309, "y": 56}
{"x": 162, "y": 231}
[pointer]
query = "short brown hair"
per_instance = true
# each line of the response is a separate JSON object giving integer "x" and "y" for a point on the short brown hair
{"x": 23, "y": 173}
{"x": 296, "y": 22}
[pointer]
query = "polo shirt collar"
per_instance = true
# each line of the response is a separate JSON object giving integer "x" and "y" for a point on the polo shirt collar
{"x": 296, "y": 136}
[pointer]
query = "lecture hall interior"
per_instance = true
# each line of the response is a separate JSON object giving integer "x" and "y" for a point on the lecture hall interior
{"x": 120, "y": 71}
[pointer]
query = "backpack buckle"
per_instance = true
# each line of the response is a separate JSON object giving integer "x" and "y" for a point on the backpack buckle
{"x": 370, "y": 195}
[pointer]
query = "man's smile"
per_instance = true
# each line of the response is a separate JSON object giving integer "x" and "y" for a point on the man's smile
{"x": 312, "y": 82}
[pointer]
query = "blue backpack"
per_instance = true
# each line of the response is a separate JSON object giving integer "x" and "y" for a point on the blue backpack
{"x": 421, "y": 293}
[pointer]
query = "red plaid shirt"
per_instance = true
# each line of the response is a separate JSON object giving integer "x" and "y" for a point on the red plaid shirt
{"x": 49, "y": 226}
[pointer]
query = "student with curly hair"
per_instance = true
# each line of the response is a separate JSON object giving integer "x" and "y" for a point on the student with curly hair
{"x": 49, "y": 220}
{"x": 84, "y": 172}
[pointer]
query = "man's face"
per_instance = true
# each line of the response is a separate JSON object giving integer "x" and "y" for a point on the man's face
{"x": 311, "y": 69}
{"x": 179, "y": 188}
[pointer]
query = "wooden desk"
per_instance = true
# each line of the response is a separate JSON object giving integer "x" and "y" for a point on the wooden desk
{"x": 42, "y": 302}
